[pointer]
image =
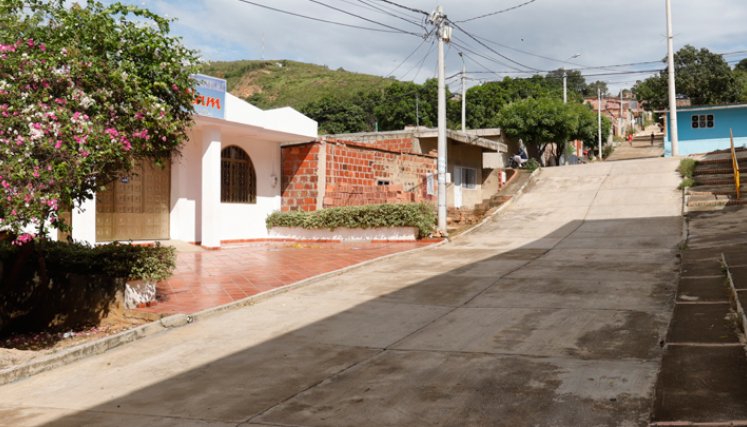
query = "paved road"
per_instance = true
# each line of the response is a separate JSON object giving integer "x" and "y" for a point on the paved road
{"x": 551, "y": 315}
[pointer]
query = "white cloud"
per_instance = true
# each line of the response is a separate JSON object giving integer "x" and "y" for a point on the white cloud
{"x": 603, "y": 32}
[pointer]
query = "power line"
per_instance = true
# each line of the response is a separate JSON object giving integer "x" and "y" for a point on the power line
{"x": 499, "y": 11}
{"x": 390, "y": 13}
{"x": 364, "y": 18}
{"x": 491, "y": 49}
{"x": 467, "y": 49}
{"x": 320, "y": 19}
{"x": 411, "y": 9}
{"x": 408, "y": 57}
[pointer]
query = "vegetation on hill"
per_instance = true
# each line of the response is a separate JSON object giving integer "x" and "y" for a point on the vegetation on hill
{"x": 281, "y": 83}
{"x": 345, "y": 102}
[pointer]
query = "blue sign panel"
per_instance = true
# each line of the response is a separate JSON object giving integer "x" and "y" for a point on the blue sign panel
{"x": 210, "y": 99}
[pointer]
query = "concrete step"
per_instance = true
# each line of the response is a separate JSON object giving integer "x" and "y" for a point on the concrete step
{"x": 716, "y": 179}
{"x": 718, "y": 168}
{"x": 719, "y": 189}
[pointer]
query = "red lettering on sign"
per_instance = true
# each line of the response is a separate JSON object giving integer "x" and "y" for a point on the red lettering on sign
{"x": 207, "y": 101}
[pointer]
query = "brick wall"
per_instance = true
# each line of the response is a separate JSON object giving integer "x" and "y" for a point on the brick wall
{"x": 384, "y": 171}
{"x": 365, "y": 173}
{"x": 300, "y": 177}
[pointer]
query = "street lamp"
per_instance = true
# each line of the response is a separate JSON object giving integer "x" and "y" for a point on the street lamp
{"x": 565, "y": 80}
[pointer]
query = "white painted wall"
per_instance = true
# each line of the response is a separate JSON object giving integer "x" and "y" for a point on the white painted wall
{"x": 240, "y": 221}
{"x": 286, "y": 119}
{"x": 84, "y": 222}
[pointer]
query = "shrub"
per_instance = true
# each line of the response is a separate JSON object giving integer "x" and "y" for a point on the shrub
{"x": 687, "y": 182}
{"x": 54, "y": 286}
{"x": 419, "y": 215}
{"x": 532, "y": 165}
{"x": 687, "y": 167}
{"x": 607, "y": 150}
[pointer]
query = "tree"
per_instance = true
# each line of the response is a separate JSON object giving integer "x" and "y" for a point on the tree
{"x": 597, "y": 85}
{"x": 575, "y": 83}
{"x": 336, "y": 116}
{"x": 701, "y": 75}
{"x": 486, "y": 100}
{"x": 538, "y": 122}
{"x": 85, "y": 92}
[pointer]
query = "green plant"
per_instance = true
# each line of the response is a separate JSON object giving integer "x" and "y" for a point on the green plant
{"x": 687, "y": 167}
{"x": 532, "y": 165}
{"x": 687, "y": 182}
{"x": 419, "y": 215}
{"x": 85, "y": 92}
{"x": 607, "y": 150}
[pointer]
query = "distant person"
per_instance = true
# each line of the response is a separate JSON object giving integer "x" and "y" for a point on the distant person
{"x": 520, "y": 158}
{"x": 652, "y": 139}
{"x": 630, "y": 139}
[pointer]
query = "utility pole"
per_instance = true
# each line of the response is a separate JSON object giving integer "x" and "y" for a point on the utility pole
{"x": 599, "y": 120}
{"x": 673, "y": 137}
{"x": 464, "y": 94}
{"x": 438, "y": 19}
{"x": 417, "y": 110}
{"x": 565, "y": 87}
{"x": 621, "y": 113}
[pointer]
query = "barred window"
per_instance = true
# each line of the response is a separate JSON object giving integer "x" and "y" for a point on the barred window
{"x": 238, "y": 181}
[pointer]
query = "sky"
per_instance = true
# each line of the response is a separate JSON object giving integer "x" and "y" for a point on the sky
{"x": 538, "y": 35}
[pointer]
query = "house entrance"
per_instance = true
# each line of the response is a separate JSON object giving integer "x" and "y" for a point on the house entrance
{"x": 136, "y": 206}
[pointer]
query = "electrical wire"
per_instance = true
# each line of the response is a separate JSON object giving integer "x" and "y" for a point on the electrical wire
{"x": 468, "y": 34}
{"x": 364, "y": 18}
{"x": 390, "y": 13}
{"x": 319, "y": 19}
{"x": 391, "y": 73}
{"x": 499, "y": 11}
{"x": 411, "y": 9}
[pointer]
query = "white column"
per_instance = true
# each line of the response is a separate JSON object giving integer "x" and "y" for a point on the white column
{"x": 84, "y": 222}
{"x": 210, "y": 185}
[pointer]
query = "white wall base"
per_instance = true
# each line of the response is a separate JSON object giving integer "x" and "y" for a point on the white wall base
{"x": 346, "y": 234}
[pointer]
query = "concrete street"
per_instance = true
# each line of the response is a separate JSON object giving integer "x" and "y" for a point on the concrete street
{"x": 551, "y": 314}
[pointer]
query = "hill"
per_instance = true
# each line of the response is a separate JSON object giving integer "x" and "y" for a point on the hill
{"x": 279, "y": 83}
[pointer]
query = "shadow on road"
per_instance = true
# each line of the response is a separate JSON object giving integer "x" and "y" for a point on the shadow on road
{"x": 563, "y": 330}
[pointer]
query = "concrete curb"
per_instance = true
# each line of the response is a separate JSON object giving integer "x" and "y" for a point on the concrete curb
{"x": 735, "y": 297}
{"x": 532, "y": 178}
{"x": 72, "y": 354}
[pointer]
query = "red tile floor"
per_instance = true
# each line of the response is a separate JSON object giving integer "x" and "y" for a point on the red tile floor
{"x": 207, "y": 279}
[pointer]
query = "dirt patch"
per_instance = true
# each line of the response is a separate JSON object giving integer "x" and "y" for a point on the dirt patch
{"x": 21, "y": 348}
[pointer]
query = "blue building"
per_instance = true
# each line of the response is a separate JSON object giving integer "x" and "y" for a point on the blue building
{"x": 702, "y": 129}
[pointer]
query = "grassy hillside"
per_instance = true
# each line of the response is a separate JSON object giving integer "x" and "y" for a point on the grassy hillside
{"x": 279, "y": 83}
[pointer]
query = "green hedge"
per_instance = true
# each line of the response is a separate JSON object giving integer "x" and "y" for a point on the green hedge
{"x": 419, "y": 215}
{"x": 49, "y": 286}
{"x": 152, "y": 263}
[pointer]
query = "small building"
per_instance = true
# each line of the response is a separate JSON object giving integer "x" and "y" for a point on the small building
{"x": 391, "y": 167}
{"x": 625, "y": 114}
{"x": 701, "y": 129}
{"x": 220, "y": 189}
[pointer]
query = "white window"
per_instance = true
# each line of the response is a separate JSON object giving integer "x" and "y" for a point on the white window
{"x": 430, "y": 185}
{"x": 702, "y": 121}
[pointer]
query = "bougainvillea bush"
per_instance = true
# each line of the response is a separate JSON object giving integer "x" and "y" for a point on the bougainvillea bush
{"x": 85, "y": 91}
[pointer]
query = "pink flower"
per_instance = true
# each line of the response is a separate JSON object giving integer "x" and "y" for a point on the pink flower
{"x": 42, "y": 47}
{"x": 30, "y": 42}
{"x": 23, "y": 239}
{"x": 58, "y": 144}
{"x": 111, "y": 132}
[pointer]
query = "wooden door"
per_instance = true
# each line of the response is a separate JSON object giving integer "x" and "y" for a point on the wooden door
{"x": 136, "y": 206}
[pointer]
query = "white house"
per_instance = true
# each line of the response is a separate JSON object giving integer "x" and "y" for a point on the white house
{"x": 221, "y": 188}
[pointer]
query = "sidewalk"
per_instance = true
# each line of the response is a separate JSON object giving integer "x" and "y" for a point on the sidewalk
{"x": 205, "y": 279}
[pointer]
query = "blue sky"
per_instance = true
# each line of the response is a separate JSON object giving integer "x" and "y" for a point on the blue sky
{"x": 603, "y": 32}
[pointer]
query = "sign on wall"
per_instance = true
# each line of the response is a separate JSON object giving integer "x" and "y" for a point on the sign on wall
{"x": 210, "y": 99}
